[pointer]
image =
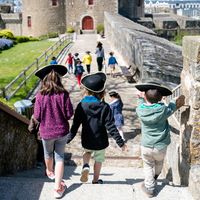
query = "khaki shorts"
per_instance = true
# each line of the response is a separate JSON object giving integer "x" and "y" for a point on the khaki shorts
{"x": 98, "y": 155}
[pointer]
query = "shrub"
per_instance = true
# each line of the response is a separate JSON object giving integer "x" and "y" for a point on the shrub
{"x": 21, "y": 39}
{"x": 100, "y": 28}
{"x": 70, "y": 29}
{"x": 5, "y": 33}
{"x": 53, "y": 35}
{"x": 5, "y": 43}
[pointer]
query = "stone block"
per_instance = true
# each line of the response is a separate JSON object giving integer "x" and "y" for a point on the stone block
{"x": 194, "y": 181}
{"x": 191, "y": 46}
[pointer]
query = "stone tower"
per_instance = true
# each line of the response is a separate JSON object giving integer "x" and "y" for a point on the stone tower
{"x": 43, "y": 17}
{"x": 85, "y": 15}
{"x": 46, "y": 16}
{"x": 132, "y": 9}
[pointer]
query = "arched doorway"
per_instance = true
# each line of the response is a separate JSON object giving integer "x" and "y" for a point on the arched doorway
{"x": 87, "y": 23}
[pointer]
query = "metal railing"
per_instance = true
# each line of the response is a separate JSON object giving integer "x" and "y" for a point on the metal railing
{"x": 176, "y": 92}
{"x": 21, "y": 80}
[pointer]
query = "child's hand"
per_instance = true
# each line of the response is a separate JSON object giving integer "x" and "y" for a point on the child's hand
{"x": 180, "y": 101}
{"x": 124, "y": 148}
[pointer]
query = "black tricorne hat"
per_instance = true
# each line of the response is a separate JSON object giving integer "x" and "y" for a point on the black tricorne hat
{"x": 112, "y": 93}
{"x": 143, "y": 87}
{"x": 60, "y": 69}
{"x": 94, "y": 82}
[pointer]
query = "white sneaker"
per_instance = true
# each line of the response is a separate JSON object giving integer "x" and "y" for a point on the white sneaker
{"x": 85, "y": 174}
{"x": 58, "y": 193}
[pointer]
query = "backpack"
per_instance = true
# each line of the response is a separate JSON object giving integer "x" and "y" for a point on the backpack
{"x": 79, "y": 70}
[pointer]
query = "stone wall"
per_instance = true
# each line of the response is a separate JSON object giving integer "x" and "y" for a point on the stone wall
{"x": 190, "y": 81}
{"x": 76, "y": 11}
{"x": 17, "y": 147}
{"x": 153, "y": 57}
{"x": 45, "y": 18}
{"x": 13, "y": 21}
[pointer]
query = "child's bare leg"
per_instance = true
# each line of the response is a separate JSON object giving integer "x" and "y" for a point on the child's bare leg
{"x": 86, "y": 167}
{"x": 49, "y": 165}
{"x": 97, "y": 169}
{"x": 86, "y": 158}
{"x": 59, "y": 170}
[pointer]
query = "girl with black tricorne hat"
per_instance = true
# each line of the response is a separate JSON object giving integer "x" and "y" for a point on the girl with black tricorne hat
{"x": 52, "y": 110}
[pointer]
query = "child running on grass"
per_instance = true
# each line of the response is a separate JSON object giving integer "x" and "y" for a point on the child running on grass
{"x": 96, "y": 119}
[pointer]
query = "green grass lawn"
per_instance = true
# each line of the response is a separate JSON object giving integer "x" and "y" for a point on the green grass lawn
{"x": 14, "y": 60}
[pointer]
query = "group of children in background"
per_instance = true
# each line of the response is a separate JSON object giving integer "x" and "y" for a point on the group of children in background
{"x": 53, "y": 109}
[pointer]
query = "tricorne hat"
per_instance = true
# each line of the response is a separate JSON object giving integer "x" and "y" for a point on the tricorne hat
{"x": 94, "y": 82}
{"x": 143, "y": 87}
{"x": 112, "y": 93}
{"x": 60, "y": 69}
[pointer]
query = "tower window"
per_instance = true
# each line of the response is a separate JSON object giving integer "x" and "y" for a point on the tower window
{"x": 29, "y": 21}
{"x": 54, "y": 2}
{"x": 90, "y": 2}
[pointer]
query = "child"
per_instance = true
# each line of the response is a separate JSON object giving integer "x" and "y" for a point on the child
{"x": 53, "y": 61}
{"x": 96, "y": 118}
{"x": 79, "y": 72}
{"x": 69, "y": 61}
{"x": 116, "y": 106}
{"x": 76, "y": 58}
{"x": 52, "y": 110}
{"x": 111, "y": 63}
{"x": 87, "y": 60}
{"x": 153, "y": 116}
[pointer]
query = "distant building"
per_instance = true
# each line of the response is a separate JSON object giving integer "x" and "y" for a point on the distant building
{"x": 188, "y": 8}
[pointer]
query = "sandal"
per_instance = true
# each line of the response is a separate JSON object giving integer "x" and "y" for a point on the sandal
{"x": 58, "y": 193}
{"x": 98, "y": 182}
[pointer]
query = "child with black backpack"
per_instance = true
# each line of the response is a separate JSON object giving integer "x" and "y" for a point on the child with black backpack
{"x": 79, "y": 71}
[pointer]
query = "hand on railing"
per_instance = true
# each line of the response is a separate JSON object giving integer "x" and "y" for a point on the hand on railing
{"x": 180, "y": 101}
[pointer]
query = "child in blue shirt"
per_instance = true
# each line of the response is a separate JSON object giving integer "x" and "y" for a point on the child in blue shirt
{"x": 111, "y": 63}
{"x": 153, "y": 115}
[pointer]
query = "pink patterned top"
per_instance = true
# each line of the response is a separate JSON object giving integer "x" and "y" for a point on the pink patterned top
{"x": 53, "y": 112}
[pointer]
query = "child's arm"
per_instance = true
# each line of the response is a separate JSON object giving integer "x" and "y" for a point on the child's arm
{"x": 76, "y": 123}
{"x": 111, "y": 128}
{"x": 69, "y": 107}
{"x": 33, "y": 126}
{"x": 175, "y": 104}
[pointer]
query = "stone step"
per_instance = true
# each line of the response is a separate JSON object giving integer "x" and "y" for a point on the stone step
{"x": 119, "y": 183}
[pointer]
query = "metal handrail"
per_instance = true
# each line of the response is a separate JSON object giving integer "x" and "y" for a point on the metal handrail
{"x": 176, "y": 92}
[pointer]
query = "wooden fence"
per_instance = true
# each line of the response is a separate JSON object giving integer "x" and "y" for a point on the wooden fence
{"x": 22, "y": 79}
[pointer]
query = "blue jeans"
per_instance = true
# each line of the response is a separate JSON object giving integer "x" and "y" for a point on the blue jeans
{"x": 54, "y": 146}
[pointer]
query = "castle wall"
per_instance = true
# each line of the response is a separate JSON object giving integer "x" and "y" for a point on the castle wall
{"x": 13, "y": 21}
{"x": 190, "y": 82}
{"x": 151, "y": 57}
{"x": 131, "y": 9}
{"x": 76, "y": 10}
{"x": 45, "y": 18}
{"x": 18, "y": 149}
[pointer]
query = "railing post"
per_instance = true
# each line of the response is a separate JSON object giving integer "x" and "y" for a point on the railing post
{"x": 3, "y": 93}
{"x": 37, "y": 63}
